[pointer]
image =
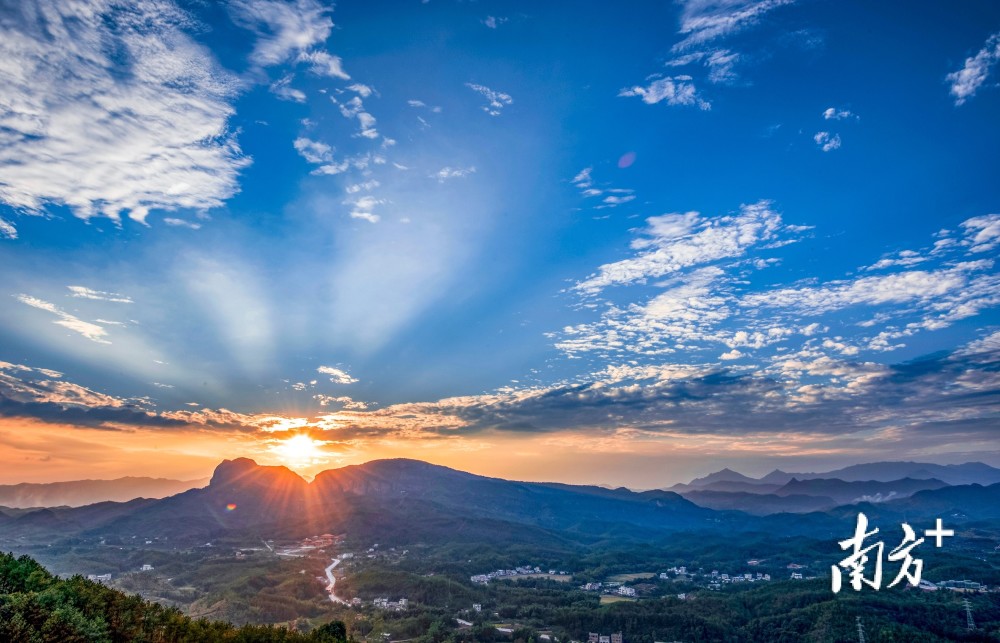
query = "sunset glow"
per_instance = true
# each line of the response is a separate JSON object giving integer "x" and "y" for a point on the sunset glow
{"x": 299, "y": 451}
{"x": 315, "y": 235}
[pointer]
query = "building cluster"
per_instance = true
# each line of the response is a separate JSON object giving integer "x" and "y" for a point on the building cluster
{"x": 717, "y": 579}
{"x": 959, "y": 585}
{"x": 523, "y": 570}
{"x": 594, "y": 637}
{"x": 99, "y": 578}
{"x": 393, "y": 606}
{"x": 678, "y": 571}
{"x": 321, "y": 542}
{"x": 614, "y": 588}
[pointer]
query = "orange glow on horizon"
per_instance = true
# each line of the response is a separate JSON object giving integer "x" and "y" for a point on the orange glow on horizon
{"x": 300, "y": 451}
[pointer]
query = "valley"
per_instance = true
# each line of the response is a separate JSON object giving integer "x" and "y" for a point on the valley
{"x": 401, "y": 550}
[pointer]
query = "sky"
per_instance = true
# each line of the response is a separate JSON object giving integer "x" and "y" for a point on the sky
{"x": 597, "y": 243}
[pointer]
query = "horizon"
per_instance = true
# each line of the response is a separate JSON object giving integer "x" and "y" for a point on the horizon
{"x": 628, "y": 249}
{"x": 665, "y": 486}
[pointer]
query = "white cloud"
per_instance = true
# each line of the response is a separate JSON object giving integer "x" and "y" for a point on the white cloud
{"x": 337, "y": 376}
{"x": 966, "y": 81}
{"x": 613, "y": 197}
{"x": 362, "y": 90}
{"x": 677, "y": 90}
{"x": 583, "y": 178}
{"x": 282, "y": 88}
{"x": 93, "y": 332}
{"x": 283, "y": 29}
{"x": 446, "y": 173}
{"x": 7, "y": 229}
{"x": 86, "y": 293}
{"x": 936, "y": 298}
{"x": 832, "y": 113}
{"x": 75, "y": 131}
{"x": 987, "y": 344}
{"x": 721, "y": 64}
{"x": 351, "y": 108}
{"x": 367, "y": 123}
{"x": 496, "y": 100}
{"x": 903, "y": 258}
{"x": 313, "y": 151}
{"x": 982, "y": 233}
{"x": 366, "y": 186}
{"x": 827, "y": 141}
{"x": 331, "y": 168}
{"x": 705, "y": 20}
{"x": 322, "y": 63}
{"x": 181, "y": 223}
{"x": 421, "y": 105}
{"x": 493, "y": 22}
{"x": 672, "y": 242}
{"x": 355, "y": 108}
{"x": 731, "y": 355}
{"x": 363, "y": 208}
{"x": 343, "y": 401}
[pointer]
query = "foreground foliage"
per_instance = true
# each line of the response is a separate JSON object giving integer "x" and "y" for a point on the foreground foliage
{"x": 37, "y": 607}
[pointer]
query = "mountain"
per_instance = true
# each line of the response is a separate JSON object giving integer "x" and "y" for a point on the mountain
{"x": 965, "y": 502}
{"x": 402, "y": 502}
{"x": 758, "y": 504}
{"x": 952, "y": 474}
{"x": 958, "y": 505}
{"x": 77, "y": 493}
{"x": 777, "y": 477}
{"x": 725, "y": 475}
{"x": 581, "y": 509}
{"x": 844, "y": 492}
{"x": 802, "y": 496}
{"x": 393, "y": 500}
{"x": 732, "y": 486}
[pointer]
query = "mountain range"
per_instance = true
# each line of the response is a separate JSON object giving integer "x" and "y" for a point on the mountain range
{"x": 408, "y": 501}
{"x": 77, "y": 493}
{"x": 873, "y": 483}
{"x": 950, "y": 474}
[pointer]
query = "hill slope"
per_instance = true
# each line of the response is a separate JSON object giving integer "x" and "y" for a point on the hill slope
{"x": 77, "y": 493}
{"x": 36, "y": 606}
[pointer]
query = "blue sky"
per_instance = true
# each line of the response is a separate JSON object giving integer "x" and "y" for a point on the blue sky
{"x": 662, "y": 237}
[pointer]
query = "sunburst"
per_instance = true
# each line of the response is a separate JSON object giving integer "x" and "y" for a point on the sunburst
{"x": 299, "y": 450}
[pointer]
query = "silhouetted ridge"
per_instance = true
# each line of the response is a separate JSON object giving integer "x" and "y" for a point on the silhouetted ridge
{"x": 390, "y": 476}
{"x": 244, "y": 472}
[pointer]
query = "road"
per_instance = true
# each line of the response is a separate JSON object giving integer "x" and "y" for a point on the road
{"x": 333, "y": 581}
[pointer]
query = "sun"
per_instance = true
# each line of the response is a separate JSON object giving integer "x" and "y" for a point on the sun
{"x": 299, "y": 450}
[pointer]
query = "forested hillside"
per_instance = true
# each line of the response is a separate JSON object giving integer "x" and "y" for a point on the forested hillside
{"x": 37, "y": 607}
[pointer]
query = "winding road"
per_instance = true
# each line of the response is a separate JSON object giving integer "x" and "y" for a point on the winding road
{"x": 333, "y": 581}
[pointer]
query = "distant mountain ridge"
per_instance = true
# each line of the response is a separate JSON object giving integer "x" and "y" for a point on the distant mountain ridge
{"x": 872, "y": 483}
{"x": 949, "y": 474}
{"x": 77, "y": 493}
{"x": 408, "y": 500}
{"x": 403, "y": 502}
{"x": 845, "y": 492}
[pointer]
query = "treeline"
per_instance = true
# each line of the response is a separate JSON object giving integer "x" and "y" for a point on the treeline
{"x": 37, "y": 607}
{"x": 777, "y": 612}
{"x": 785, "y": 612}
